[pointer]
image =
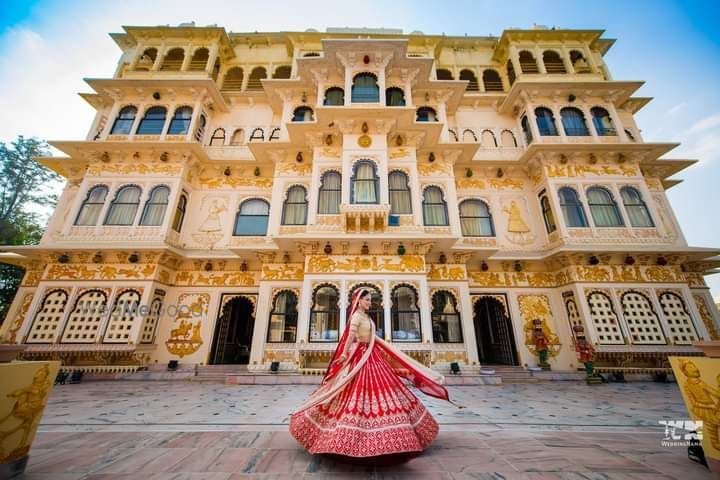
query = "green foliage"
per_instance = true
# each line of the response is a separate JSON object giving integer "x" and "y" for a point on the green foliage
{"x": 25, "y": 185}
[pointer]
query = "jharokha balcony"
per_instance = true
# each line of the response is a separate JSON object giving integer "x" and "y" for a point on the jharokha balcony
{"x": 365, "y": 218}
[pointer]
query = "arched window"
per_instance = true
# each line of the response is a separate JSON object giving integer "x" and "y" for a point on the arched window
{"x": 376, "y": 311}
{"x": 334, "y": 96}
{"x": 199, "y": 60}
{"x": 147, "y": 59}
{"x": 572, "y": 208}
{"x": 153, "y": 121}
{"x": 602, "y": 122}
{"x": 257, "y": 74}
{"x": 405, "y": 315}
{"x": 150, "y": 322}
{"x": 303, "y": 114}
{"x": 123, "y": 317}
{"x": 547, "y": 212}
{"x": 434, "y": 207}
{"x": 173, "y": 59}
{"x": 395, "y": 97}
{"x": 124, "y": 207}
{"x": 295, "y": 206}
{"x": 510, "y": 72}
{"x": 446, "y": 325}
{"x": 527, "y": 131}
{"x": 678, "y": 318}
{"x": 155, "y": 207}
{"x": 252, "y": 218}
{"x": 283, "y": 71}
{"x": 124, "y": 121}
{"x": 426, "y": 114}
{"x": 475, "y": 219}
{"x": 283, "y": 318}
{"x": 180, "y": 213}
{"x": 545, "y": 121}
{"x": 454, "y": 134}
{"x": 580, "y": 65}
{"x": 469, "y": 75}
{"x": 444, "y": 74}
{"x": 180, "y": 123}
{"x": 218, "y": 137}
{"x": 91, "y": 207}
{"x": 553, "y": 62}
{"x": 604, "y": 319}
{"x": 257, "y": 134}
{"x": 365, "y": 88}
{"x": 238, "y": 137}
{"x": 573, "y": 121}
{"x": 48, "y": 317}
{"x": 330, "y": 193}
{"x": 469, "y": 136}
{"x": 399, "y": 189}
{"x": 274, "y": 134}
{"x": 508, "y": 139}
{"x": 635, "y": 207}
{"x": 527, "y": 62}
{"x": 233, "y": 79}
{"x": 492, "y": 81}
{"x": 83, "y": 323}
{"x": 603, "y": 208}
{"x": 642, "y": 322}
{"x": 364, "y": 183}
{"x": 487, "y": 139}
{"x": 325, "y": 314}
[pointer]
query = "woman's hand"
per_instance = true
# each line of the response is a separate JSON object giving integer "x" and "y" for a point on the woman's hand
{"x": 341, "y": 358}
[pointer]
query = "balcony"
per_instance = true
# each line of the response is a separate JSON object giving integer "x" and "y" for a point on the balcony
{"x": 365, "y": 218}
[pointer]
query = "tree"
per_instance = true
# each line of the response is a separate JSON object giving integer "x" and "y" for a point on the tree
{"x": 25, "y": 190}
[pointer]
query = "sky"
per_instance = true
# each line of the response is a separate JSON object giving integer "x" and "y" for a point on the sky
{"x": 47, "y": 47}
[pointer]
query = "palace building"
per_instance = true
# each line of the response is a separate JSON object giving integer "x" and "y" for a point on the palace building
{"x": 238, "y": 187}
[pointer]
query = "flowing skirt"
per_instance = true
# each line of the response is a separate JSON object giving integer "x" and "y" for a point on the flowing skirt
{"x": 374, "y": 414}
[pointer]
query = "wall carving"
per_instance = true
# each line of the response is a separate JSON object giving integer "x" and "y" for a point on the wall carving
{"x": 134, "y": 168}
{"x": 281, "y": 271}
{"x": 507, "y": 183}
{"x": 581, "y": 273}
{"x": 185, "y": 339}
{"x": 365, "y": 263}
{"x": 203, "y": 278}
{"x": 11, "y": 334}
{"x": 706, "y": 316}
{"x": 447, "y": 272}
{"x": 74, "y": 271}
{"x": 470, "y": 183}
{"x": 538, "y": 307}
{"x": 294, "y": 168}
{"x": 518, "y": 231}
{"x": 577, "y": 170}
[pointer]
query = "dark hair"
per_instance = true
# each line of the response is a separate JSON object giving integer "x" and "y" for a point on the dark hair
{"x": 366, "y": 293}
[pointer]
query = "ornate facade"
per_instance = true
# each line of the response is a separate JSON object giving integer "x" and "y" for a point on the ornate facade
{"x": 238, "y": 187}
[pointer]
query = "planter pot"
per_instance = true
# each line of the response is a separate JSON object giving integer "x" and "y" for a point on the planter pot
{"x": 24, "y": 391}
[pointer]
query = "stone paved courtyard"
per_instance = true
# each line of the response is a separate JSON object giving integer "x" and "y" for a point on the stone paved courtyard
{"x": 192, "y": 431}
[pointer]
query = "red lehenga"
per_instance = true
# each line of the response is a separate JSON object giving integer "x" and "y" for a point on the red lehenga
{"x": 363, "y": 408}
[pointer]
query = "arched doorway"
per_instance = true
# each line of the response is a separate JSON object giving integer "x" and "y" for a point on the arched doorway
{"x": 233, "y": 332}
{"x": 493, "y": 332}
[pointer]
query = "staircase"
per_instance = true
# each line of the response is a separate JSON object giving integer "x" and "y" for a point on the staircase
{"x": 512, "y": 373}
{"x": 217, "y": 373}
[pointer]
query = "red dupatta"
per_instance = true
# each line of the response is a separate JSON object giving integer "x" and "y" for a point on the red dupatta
{"x": 338, "y": 374}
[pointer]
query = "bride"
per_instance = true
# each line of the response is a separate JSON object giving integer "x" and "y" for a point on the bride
{"x": 362, "y": 407}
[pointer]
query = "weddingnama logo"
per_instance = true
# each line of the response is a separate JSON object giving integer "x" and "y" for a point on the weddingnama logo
{"x": 134, "y": 309}
{"x": 681, "y": 433}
